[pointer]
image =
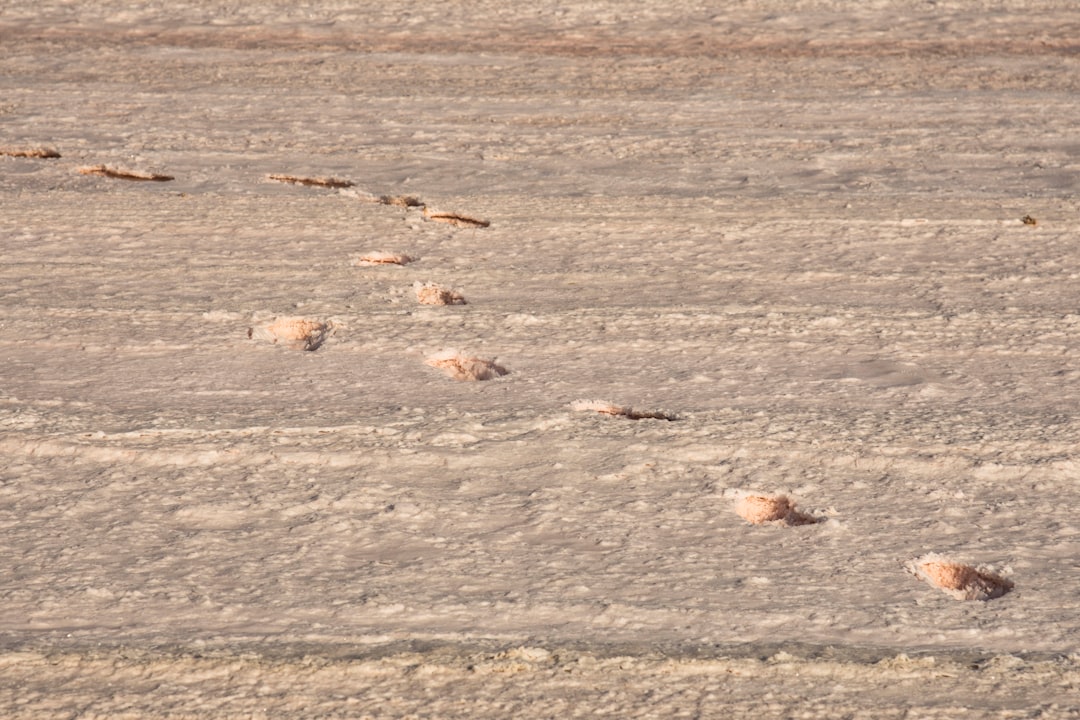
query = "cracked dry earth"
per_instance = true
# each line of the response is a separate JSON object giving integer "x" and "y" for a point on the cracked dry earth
{"x": 827, "y": 251}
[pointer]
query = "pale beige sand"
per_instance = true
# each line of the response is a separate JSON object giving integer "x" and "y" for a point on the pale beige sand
{"x": 837, "y": 241}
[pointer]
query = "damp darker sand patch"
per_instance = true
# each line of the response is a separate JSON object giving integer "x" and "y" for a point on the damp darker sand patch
{"x": 455, "y": 219}
{"x": 466, "y": 368}
{"x": 294, "y": 332}
{"x": 37, "y": 153}
{"x": 384, "y": 258}
{"x": 957, "y": 580}
{"x": 625, "y": 411}
{"x": 121, "y": 174}
{"x": 323, "y": 182}
{"x": 761, "y": 509}
{"x": 432, "y": 294}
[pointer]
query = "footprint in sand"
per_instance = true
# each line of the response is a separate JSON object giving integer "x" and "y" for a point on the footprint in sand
{"x": 466, "y": 367}
{"x": 120, "y": 174}
{"x": 432, "y": 294}
{"x": 765, "y": 509}
{"x": 957, "y": 580}
{"x": 384, "y": 258}
{"x": 294, "y": 332}
{"x": 606, "y": 408}
{"x": 456, "y": 219}
{"x": 324, "y": 182}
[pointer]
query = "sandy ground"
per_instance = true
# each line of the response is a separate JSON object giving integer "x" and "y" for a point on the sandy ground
{"x": 823, "y": 250}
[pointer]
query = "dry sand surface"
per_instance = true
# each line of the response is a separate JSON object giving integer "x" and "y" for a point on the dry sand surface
{"x": 814, "y": 262}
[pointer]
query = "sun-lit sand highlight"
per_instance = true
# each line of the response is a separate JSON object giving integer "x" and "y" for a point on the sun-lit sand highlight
{"x": 456, "y": 219}
{"x": 121, "y": 174}
{"x": 38, "y": 153}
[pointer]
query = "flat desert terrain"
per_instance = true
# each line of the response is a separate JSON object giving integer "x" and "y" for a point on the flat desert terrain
{"x": 517, "y": 360}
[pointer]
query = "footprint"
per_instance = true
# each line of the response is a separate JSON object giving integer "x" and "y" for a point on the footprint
{"x": 124, "y": 174}
{"x": 384, "y": 258}
{"x": 959, "y": 581}
{"x": 411, "y": 201}
{"x": 312, "y": 181}
{"x": 294, "y": 332}
{"x": 432, "y": 294}
{"x": 465, "y": 367}
{"x": 405, "y": 201}
{"x": 606, "y": 408}
{"x": 455, "y": 219}
{"x": 396, "y": 201}
{"x": 758, "y": 509}
{"x": 35, "y": 152}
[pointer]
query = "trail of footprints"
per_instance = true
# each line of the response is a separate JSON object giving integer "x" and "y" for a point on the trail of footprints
{"x": 958, "y": 580}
